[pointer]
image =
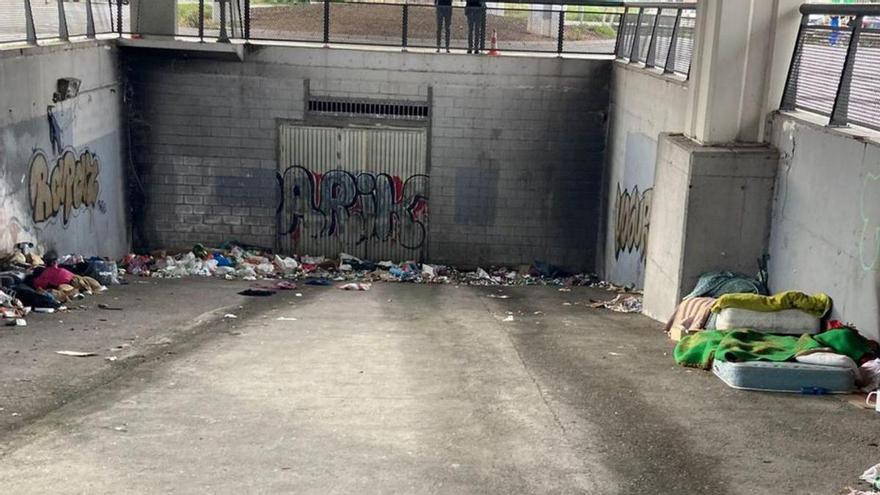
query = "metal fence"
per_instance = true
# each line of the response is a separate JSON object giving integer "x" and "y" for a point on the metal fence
{"x": 835, "y": 69}
{"x": 658, "y": 35}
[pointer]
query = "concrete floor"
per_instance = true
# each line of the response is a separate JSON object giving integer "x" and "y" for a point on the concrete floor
{"x": 424, "y": 389}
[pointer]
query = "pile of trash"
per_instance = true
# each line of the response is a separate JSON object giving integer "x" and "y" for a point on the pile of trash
{"x": 30, "y": 282}
{"x": 238, "y": 262}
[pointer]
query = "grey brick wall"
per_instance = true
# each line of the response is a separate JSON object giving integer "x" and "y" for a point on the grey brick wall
{"x": 516, "y": 145}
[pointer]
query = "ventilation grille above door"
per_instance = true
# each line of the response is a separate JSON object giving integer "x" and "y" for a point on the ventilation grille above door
{"x": 362, "y": 107}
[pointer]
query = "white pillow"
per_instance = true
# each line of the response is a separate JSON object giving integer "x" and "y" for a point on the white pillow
{"x": 823, "y": 358}
{"x": 787, "y": 321}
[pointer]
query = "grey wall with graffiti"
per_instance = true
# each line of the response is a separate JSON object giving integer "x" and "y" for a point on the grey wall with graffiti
{"x": 642, "y": 106}
{"x": 515, "y": 153}
{"x": 825, "y": 234}
{"x": 61, "y": 149}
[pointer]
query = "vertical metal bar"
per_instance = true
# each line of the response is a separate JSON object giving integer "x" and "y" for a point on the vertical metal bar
{"x": 652, "y": 45}
{"x": 634, "y": 50}
{"x": 326, "y": 22}
{"x": 669, "y": 66}
{"x": 561, "y": 35}
{"x": 63, "y": 33}
{"x": 119, "y": 17}
{"x": 202, "y": 20}
{"x": 789, "y": 93}
{"x": 618, "y": 45}
{"x": 405, "y": 29}
{"x": 247, "y": 19}
{"x": 29, "y": 23}
{"x": 839, "y": 115}
{"x": 223, "y": 37}
{"x": 90, "y": 20}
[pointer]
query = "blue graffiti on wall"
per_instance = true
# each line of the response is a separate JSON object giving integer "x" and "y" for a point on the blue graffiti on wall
{"x": 377, "y": 206}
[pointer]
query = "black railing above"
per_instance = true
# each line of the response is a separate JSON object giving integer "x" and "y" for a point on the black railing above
{"x": 654, "y": 34}
{"x": 658, "y": 35}
{"x": 835, "y": 68}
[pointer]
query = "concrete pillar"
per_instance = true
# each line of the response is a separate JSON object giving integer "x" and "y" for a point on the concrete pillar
{"x": 710, "y": 212}
{"x": 154, "y": 17}
{"x": 740, "y": 49}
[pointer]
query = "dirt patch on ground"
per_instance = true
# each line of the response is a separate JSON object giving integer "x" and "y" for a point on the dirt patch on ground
{"x": 384, "y": 22}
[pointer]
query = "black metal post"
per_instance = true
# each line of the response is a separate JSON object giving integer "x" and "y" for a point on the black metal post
{"x": 669, "y": 66}
{"x": 618, "y": 45}
{"x": 405, "y": 28}
{"x": 119, "y": 17}
{"x": 223, "y": 37}
{"x": 634, "y": 50}
{"x": 326, "y": 22}
{"x": 247, "y": 19}
{"x": 839, "y": 115}
{"x": 90, "y": 20}
{"x": 202, "y": 21}
{"x": 652, "y": 45}
{"x": 63, "y": 33}
{"x": 561, "y": 34}
{"x": 789, "y": 92}
{"x": 29, "y": 23}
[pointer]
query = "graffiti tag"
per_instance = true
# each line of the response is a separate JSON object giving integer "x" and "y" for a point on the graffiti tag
{"x": 362, "y": 205}
{"x": 69, "y": 184}
{"x": 633, "y": 219}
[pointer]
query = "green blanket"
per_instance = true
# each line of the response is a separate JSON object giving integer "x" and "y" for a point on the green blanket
{"x": 817, "y": 305}
{"x": 699, "y": 349}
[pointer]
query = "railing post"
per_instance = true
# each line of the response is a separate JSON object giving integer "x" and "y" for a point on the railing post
{"x": 669, "y": 66}
{"x": 223, "y": 37}
{"x": 29, "y": 23}
{"x": 63, "y": 33}
{"x": 405, "y": 28}
{"x": 789, "y": 93}
{"x": 618, "y": 45}
{"x": 652, "y": 44}
{"x": 634, "y": 50}
{"x": 839, "y": 115}
{"x": 119, "y": 17}
{"x": 90, "y": 20}
{"x": 202, "y": 21}
{"x": 247, "y": 19}
{"x": 561, "y": 35}
{"x": 326, "y": 23}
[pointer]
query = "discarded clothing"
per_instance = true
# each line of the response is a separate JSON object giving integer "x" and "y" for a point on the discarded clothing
{"x": 817, "y": 305}
{"x": 698, "y": 350}
{"x": 691, "y": 314}
{"x": 51, "y": 277}
{"x": 717, "y": 284}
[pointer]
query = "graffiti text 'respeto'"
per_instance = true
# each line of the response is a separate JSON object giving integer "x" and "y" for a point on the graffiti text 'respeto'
{"x": 69, "y": 184}
{"x": 376, "y": 206}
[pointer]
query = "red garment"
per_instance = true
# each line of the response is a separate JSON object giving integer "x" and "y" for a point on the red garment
{"x": 52, "y": 277}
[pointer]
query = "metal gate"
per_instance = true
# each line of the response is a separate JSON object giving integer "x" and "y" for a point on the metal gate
{"x": 362, "y": 191}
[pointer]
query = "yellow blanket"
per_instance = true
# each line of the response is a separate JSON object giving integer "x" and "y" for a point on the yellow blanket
{"x": 817, "y": 305}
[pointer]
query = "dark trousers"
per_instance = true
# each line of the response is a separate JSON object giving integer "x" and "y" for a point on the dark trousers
{"x": 476, "y": 27}
{"x": 444, "y": 18}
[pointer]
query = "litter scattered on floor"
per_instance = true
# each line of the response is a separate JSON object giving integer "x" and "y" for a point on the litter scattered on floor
{"x": 355, "y": 286}
{"x": 259, "y": 292}
{"x": 109, "y": 308}
{"x": 229, "y": 316}
{"x": 75, "y": 353}
{"x": 623, "y": 303}
{"x": 508, "y": 318}
{"x": 285, "y": 318}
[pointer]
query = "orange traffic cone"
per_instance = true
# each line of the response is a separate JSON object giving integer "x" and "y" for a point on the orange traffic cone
{"x": 493, "y": 48}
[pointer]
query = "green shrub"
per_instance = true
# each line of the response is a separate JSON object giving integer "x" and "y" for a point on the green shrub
{"x": 188, "y": 14}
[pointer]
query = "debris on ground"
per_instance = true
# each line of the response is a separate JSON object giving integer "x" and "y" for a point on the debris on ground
{"x": 623, "y": 303}
{"x": 229, "y": 316}
{"x": 355, "y": 286}
{"x": 75, "y": 353}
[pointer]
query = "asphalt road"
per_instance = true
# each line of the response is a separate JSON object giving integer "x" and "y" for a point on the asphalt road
{"x": 427, "y": 389}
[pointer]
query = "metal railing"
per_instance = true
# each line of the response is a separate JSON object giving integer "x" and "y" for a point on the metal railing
{"x": 658, "y": 35}
{"x": 835, "y": 68}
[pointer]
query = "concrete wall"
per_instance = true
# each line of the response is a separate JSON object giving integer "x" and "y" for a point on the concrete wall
{"x": 65, "y": 193}
{"x": 643, "y": 105}
{"x": 826, "y": 219}
{"x": 516, "y": 145}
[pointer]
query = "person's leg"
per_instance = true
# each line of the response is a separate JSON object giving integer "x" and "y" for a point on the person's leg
{"x": 481, "y": 43}
{"x": 439, "y": 26}
{"x": 471, "y": 25}
{"x": 448, "y": 25}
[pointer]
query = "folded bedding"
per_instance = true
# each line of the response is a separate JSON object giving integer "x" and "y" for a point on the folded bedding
{"x": 786, "y": 321}
{"x": 817, "y": 305}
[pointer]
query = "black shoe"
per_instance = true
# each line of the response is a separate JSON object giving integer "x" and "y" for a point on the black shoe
{"x": 438, "y": 50}
{"x": 448, "y": 50}
{"x": 469, "y": 51}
